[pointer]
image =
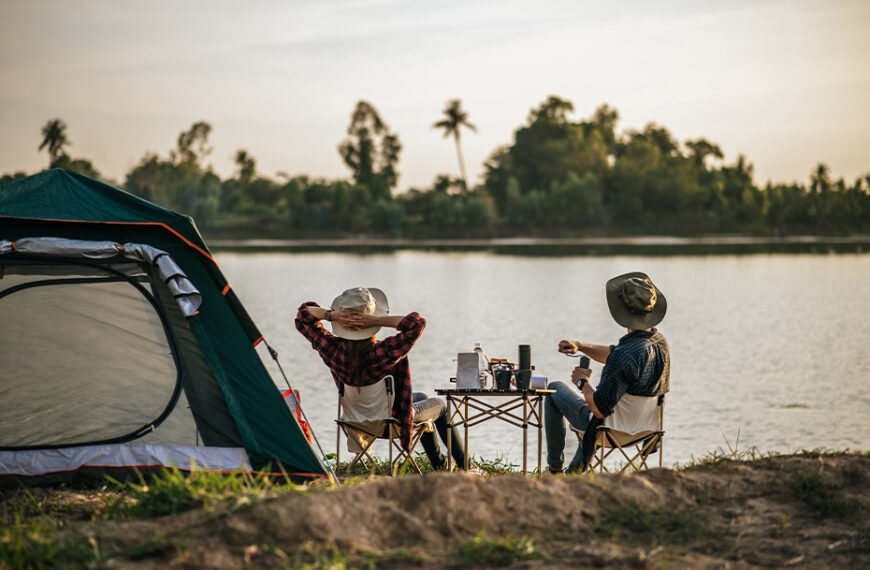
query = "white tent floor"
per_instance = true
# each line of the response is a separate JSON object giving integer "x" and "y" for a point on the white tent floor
{"x": 42, "y": 462}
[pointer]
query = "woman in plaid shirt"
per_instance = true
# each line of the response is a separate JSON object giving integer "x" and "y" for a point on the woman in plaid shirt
{"x": 356, "y": 358}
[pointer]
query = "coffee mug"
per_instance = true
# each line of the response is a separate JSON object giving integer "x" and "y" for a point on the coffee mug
{"x": 523, "y": 378}
{"x": 503, "y": 379}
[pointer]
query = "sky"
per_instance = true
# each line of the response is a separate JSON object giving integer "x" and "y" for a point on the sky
{"x": 786, "y": 83}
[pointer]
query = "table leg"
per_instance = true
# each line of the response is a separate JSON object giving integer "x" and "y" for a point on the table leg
{"x": 449, "y": 436}
{"x": 525, "y": 432}
{"x": 465, "y": 424}
{"x": 540, "y": 428}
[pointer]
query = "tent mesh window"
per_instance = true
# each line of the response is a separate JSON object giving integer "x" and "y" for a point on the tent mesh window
{"x": 87, "y": 356}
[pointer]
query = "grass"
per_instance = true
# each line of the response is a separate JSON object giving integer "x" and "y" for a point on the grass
{"x": 173, "y": 491}
{"x": 33, "y": 523}
{"x": 30, "y": 543}
{"x": 381, "y": 466}
{"x": 30, "y": 525}
{"x": 826, "y": 498}
{"x": 327, "y": 555}
{"x": 722, "y": 458}
{"x": 636, "y": 523}
{"x": 504, "y": 551}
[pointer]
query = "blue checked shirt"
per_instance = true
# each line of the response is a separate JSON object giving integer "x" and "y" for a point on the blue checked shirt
{"x": 639, "y": 365}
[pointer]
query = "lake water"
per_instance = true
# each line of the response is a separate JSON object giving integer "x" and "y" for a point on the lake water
{"x": 768, "y": 351}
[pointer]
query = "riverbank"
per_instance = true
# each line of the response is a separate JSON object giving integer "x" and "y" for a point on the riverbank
{"x": 806, "y": 510}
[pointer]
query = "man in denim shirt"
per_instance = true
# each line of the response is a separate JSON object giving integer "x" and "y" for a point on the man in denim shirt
{"x": 639, "y": 364}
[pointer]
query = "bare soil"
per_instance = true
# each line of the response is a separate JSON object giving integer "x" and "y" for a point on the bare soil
{"x": 804, "y": 511}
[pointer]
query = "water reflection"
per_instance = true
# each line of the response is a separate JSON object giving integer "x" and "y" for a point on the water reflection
{"x": 768, "y": 350}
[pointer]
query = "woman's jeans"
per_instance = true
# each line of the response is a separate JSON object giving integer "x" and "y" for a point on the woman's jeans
{"x": 567, "y": 403}
{"x": 426, "y": 408}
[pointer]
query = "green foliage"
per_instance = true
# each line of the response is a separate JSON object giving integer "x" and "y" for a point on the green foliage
{"x": 557, "y": 176}
{"x": 30, "y": 544}
{"x": 180, "y": 183}
{"x": 503, "y": 551}
{"x": 173, "y": 491}
{"x": 12, "y": 177}
{"x": 371, "y": 151}
{"x": 457, "y": 214}
{"x": 547, "y": 150}
{"x": 726, "y": 458}
{"x": 385, "y": 216}
{"x": 193, "y": 143}
{"x": 635, "y": 522}
{"x": 577, "y": 202}
{"x": 498, "y": 466}
{"x": 826, "y": 498}
{"x": 381, "y": 466}
{"x": 27, "y": 538}
{"x": 80, "y": 165}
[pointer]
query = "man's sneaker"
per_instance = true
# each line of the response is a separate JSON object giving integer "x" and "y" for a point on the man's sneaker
{"x": 550, "y": 472}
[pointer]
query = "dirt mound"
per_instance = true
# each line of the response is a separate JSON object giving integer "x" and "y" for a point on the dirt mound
{"x": 804, "y": 511}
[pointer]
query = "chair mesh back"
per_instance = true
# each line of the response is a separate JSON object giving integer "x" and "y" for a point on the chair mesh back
{"x": 635, "y": 414}
{"x": 360, "y": 403}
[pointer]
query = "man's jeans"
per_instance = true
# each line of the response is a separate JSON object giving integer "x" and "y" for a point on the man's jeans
{"x": 567, "y": 403}
{"x": 426, "y": 408}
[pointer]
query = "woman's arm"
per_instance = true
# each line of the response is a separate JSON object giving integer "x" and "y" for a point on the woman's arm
{"x": 318, "y": 313}
{"x": 308, "y": 323}
{"x": 356, "y": 321}
{"x": 352, "y": 320}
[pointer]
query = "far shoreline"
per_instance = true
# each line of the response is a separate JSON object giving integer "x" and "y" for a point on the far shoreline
{"x": 652, "y": 245}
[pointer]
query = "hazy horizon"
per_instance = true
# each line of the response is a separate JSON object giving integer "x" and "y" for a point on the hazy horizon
{"x": 787, "y": 83}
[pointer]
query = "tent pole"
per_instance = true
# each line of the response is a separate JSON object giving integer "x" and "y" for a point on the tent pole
{"x": 274, "y": 354}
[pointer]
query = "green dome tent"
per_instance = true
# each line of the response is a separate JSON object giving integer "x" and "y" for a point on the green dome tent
{"x": 123, "y": 345}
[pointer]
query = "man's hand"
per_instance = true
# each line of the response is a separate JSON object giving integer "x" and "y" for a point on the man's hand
{"x": 596, "y": 352}
{"x": 580, "y": 374}
{"x": 356, "y": 321}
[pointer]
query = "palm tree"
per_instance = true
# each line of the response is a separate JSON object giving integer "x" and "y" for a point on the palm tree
{"x": 54, "y": 138}
{"x": 454, "y": 119}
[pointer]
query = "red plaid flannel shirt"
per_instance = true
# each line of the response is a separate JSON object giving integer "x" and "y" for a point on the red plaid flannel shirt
{"x": 388, "y": 356}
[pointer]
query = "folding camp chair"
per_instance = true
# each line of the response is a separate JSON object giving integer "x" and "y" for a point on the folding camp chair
{"x": 634, "y": 431}
{"x": 365, "y": 416}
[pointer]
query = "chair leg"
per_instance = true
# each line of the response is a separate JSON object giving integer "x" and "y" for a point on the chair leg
{"x": 661, "y": 450}
{"x": 359, "y": 458}
{"x": 403, "y": 458}
{"x": 356, "y": 460}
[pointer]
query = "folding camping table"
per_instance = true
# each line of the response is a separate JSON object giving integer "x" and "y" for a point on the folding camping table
{"x": 471, "y": 407}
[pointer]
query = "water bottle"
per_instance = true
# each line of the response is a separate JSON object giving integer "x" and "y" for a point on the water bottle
{"x": 481, "y": 366}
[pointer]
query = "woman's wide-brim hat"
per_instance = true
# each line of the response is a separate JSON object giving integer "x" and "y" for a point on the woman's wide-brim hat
{"x": 368, "y": 300}
{"x": 635, "y": 302}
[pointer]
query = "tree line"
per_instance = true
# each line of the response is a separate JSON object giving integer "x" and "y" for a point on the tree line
{"x": 557, "y": 177}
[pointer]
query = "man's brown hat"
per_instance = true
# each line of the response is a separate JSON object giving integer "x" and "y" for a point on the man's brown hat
{"x": 635, "y": 302}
